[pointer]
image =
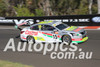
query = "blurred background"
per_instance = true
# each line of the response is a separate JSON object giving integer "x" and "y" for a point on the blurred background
{"x": 48, "y": 7}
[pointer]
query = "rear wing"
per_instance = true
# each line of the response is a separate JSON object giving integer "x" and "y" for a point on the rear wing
{"x": 20, "y": 23}
{"x": 23, "y": 22}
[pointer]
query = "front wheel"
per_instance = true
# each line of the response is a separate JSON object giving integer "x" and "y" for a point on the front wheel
{"x": 30, "y": 39}
{"x": 67, "y": 38}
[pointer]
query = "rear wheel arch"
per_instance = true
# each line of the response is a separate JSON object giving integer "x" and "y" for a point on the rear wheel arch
{"x": 31, "y": 37}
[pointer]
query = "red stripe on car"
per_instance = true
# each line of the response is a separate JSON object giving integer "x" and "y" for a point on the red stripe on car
{"x": 77, "y": 29}
{"x": 47, "y": 33}
{"x": 78, "y": 39}
{"x": 23, "y": 37}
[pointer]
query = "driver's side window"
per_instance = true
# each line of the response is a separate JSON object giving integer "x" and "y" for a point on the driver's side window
{"x": 35, "y": 27}
{"x": 47, "y": 28}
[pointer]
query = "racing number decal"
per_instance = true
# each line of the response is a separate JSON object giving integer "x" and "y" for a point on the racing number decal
{"x": 54, "y": 36}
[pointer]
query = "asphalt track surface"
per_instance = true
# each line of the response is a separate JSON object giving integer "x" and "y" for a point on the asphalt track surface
{"x": 37, "y": 59}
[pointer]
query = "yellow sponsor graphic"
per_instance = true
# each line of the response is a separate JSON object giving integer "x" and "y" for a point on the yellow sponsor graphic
{"x": 39, "y": 26}
{"x": 85, "y": 38}
{"x": 39, "y": 38}
{"x": 71, "y": 28}
{"x": 54, "y": 24}
{"x": 44, "y": 22}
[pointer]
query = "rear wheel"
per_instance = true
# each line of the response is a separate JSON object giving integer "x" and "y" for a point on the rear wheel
{"x": 67, "y": 38}
{"x": 30, "y": 39}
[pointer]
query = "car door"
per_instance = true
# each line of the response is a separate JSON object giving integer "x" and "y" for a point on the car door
{"x": 35, "y": 31}
{"x": 48, "y": 33}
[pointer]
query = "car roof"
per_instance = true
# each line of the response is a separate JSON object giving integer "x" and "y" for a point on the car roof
{"x": 53, "y": 23}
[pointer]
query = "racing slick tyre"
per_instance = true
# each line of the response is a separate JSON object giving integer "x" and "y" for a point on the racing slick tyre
{"x": 30, "y": 39}
{"x": 67, "y": 38}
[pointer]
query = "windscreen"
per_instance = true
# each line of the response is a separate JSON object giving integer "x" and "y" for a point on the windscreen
{"x": 62, "y": 26}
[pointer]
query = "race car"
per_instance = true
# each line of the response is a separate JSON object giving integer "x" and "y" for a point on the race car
{"x": 53, "y": 31}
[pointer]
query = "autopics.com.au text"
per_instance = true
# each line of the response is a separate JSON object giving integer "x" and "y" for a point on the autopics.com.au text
{"x": 55, "y": 50}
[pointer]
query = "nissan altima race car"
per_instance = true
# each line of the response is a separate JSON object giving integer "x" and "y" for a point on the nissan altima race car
{"x": 53, "y": 31}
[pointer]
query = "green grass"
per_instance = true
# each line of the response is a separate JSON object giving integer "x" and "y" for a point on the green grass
{"x": 11, "y": 64}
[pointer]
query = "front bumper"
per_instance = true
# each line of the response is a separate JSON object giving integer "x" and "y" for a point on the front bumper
{"x": 83, "y": 40}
